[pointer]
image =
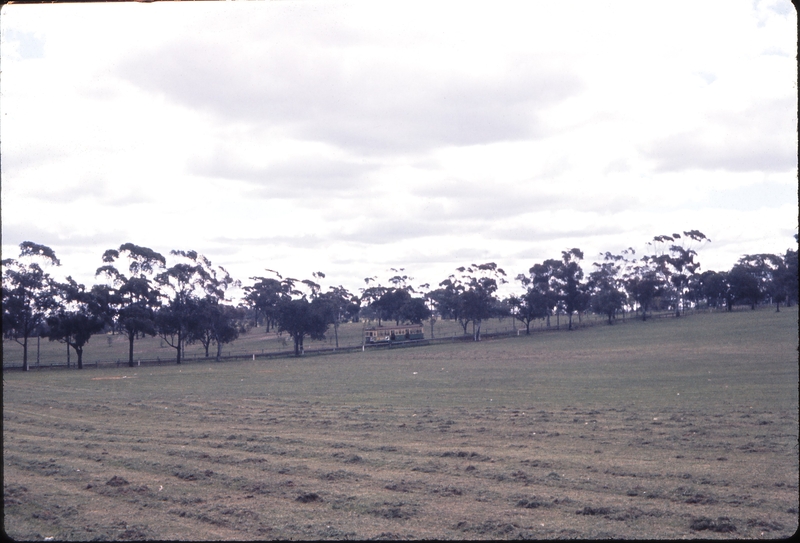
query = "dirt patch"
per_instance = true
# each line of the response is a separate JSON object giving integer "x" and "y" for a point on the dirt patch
{"x": 308, "y": 498}
{"x": 394, "y": 511}
{"x": 117, "y": 481}
{"x": 532, "y": 503}
{"x": 722, "y": 525}
{"x": 594, "y": 511}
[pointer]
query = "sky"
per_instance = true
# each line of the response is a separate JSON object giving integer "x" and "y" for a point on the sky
{"x": 354, "y": 137}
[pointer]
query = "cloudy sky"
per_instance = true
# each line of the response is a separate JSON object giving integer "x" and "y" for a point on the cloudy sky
{"x": 352, "y": 137}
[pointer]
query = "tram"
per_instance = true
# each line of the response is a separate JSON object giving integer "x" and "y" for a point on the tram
{"x": 385, "y": 334}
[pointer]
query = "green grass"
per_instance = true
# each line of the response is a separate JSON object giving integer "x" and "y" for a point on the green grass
{"x": 645, "y": 429}
{"x": 113, "y": 347}
{"x": 109, "y": 348}
{"x": 739, "y": 356}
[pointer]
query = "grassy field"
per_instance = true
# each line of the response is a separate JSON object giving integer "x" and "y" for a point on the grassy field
{"x": 110, "y": 348}
{"x": 671, "y": 428}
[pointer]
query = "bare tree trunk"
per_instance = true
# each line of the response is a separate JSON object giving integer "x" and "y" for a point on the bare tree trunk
{"x": 298, "y": 344}
{"x": 24, "y": 353}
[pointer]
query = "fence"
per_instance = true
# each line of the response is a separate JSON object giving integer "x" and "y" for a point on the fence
{"x": 249, "y": 355}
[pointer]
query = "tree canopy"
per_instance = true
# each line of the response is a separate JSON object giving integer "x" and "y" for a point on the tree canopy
{"x": 28, "y": 294}
{"x": 185, "y": 302}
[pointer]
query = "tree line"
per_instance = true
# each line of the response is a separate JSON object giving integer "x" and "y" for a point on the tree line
{"x": 185, "y": 302}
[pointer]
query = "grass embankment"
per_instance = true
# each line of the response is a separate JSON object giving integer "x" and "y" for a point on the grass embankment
{"x": 670, "y": 428}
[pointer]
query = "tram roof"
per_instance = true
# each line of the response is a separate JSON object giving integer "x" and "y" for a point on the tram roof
{"x": 390, "y": 328}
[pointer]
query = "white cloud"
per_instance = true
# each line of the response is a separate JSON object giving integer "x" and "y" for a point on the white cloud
{"x": 336, "y": 96}
{"x": 355, "y": 136}
{"x": 758, "y": 138}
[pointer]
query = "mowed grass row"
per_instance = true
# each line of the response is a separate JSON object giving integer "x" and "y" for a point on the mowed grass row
{"x": 670, "y": 428}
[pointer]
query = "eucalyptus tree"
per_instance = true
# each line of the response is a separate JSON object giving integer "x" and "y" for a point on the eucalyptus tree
{"x": 543, "y": 280}
{"x": 389, "y": 306}
{"x": 264, "y": 295}
{"x": 744, "y": 285}
{"x": 790, "y": 279}
{"x": 173, "y": 322}
{"x": 387, "y": 302}
{"x": 211, "y": 319}
{"x": 450, "y": 302}
{"x": 214, "y": 322}
{"x": 430, "y": 304}
{"x": 183, "y": 284}
{"x": 569, "y": 287}
{"x": 368, "y": 309}
{"x": 79, "y": 315}
{"x": 714, "y": 288}
{"x": 398, "y": 304}
{"x": 415, "y": 310}
{"x": 313, "y": 287}
{"x": 480, "y": 282}
{"x": 133, "y": 297}
{"x": 606, "y": 287}
{"x": 302, "y": 318}
{"x": 757, "y": 277}
{"x": 528, "y": 307}
{"x": 27, "y": 293}
{"x": 644, "y": 283}
{"x": 203, "y": 320}
{"x": 369, "y": 295}
{"x": 227, "y": 325}
{"x": 676, "y": 262}
{"x": 337, "y": 306}
{"x": 774, "y": 276}
{"x": 531, "y": 305}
